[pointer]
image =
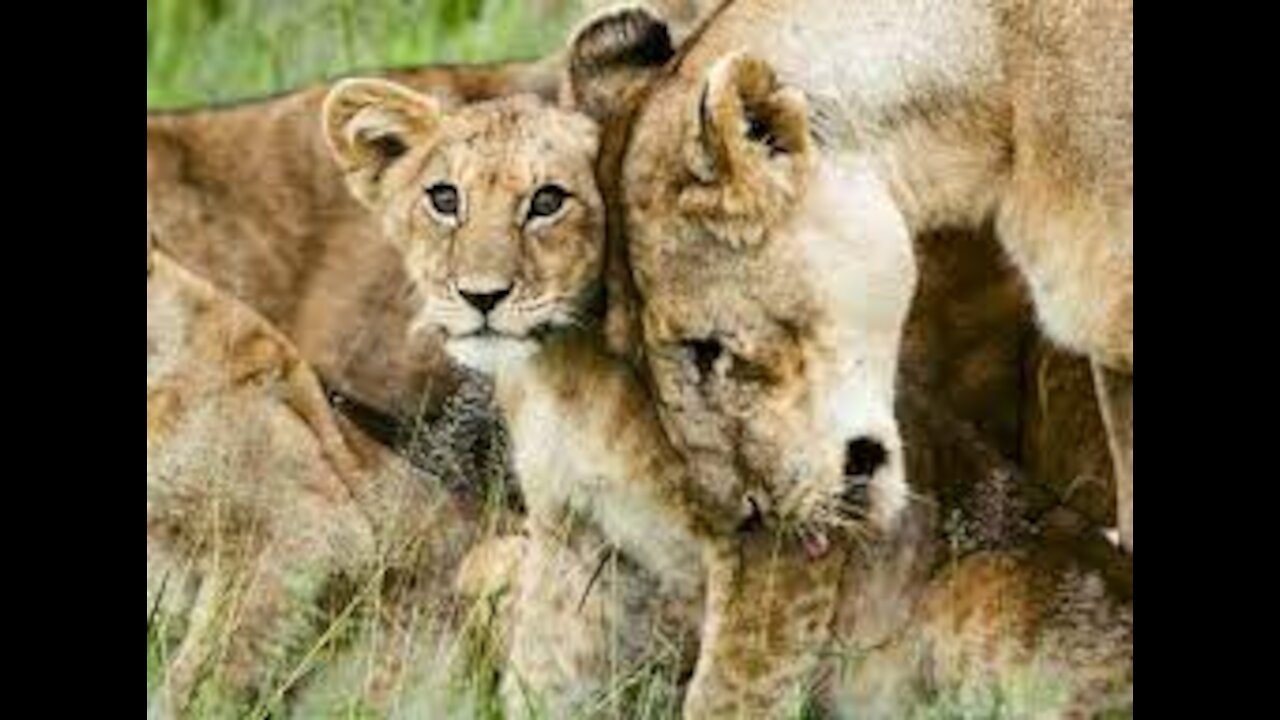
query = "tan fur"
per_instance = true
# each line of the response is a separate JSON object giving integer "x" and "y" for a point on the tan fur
{"x": 680, "y": 14}
{"x": 267, "y": 514}
{"x": 605, "y": 495}
{"x": 972, "y": 608}
{"x": 965, "y": 609}
{"x": 497, "y": 156}
{"x": 958, "y": 116}
{"x": 1115, "y": 398}
{"x": 791, "y": 371}
{"x": 210, "y": 364}
{"x": 598, "y": 475}
{"x": 972, "y": 347}
{"x": 282, "y": 234}
{"x": 737, "y": 227}
{"x": 1064, "y": 439}
{"x": 1028, "y": 633}
{"x": 608, "y": 573}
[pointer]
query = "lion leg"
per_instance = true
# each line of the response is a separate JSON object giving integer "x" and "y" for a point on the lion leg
{"x": 559, "y": 648}
{"x": 768, "y": 615}
{"x": 1115, "y": 401}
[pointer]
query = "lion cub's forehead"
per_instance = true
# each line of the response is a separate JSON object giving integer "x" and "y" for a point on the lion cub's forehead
{"x": 519, "y": 136}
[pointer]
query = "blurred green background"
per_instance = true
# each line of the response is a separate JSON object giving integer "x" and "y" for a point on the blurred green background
{"x": 206, "y": 51}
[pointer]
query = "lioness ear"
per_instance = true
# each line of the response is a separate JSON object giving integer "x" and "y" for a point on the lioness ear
{"x": 612, "y": 54}
{"x": 369, "y": 125}
{"x": 749, "y": 149}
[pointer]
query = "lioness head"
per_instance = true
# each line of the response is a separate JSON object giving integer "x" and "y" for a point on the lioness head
{"x": 494, "y": 206}
{"x": 773, "y": 284}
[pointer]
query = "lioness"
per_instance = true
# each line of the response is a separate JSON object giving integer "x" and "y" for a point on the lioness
{"x": 738, "y": 156}
{"x": 769, "y": 321}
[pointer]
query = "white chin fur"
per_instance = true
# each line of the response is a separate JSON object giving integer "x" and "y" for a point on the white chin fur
{"x": 490, "y": 354}
{"x": 889, "y": 494}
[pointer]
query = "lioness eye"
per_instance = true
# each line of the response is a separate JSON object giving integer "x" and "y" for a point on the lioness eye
{"x": 704, "y": 354}
{"x": 547, "y": 201}
{"x": 444, "y": 199}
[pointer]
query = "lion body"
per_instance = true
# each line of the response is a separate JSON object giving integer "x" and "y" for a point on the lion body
{"x": 766, "y": 176}
{"x": 267, "y": 514}
{"x": 608, "y": 574}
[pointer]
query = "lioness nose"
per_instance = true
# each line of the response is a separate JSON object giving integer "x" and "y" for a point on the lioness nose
{"x": 487, "y": 301}
{"x": 863, "y": 457}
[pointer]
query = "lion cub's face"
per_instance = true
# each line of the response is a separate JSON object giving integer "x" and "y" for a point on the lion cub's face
{"x": 494, "y": 206}
{"x": 773, "y": 288}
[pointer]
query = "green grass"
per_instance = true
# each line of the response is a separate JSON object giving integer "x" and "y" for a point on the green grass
{"x": 204, "y": 51}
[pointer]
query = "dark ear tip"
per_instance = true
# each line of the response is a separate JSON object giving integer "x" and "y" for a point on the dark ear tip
{"x": 631, "y": 36}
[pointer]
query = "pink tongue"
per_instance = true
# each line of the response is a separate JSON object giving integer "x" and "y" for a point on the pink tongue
{"x": 817, "y": 545}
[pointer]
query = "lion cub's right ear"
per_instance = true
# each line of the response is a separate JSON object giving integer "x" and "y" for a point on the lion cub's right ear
{"x": 370, "y": 125}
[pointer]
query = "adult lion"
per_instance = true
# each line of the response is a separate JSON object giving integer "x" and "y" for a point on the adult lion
{"x": 766, "y": 328}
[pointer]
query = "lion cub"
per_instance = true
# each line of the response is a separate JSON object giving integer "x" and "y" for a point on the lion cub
{"x": 495, "y": 210}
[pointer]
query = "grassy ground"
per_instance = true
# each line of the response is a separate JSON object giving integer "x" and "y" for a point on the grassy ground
{"x": 201, "y": 51}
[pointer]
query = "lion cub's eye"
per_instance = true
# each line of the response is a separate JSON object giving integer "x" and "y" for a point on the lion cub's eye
{"x": 444, "y": 199}
{"x": 547, "y": 201}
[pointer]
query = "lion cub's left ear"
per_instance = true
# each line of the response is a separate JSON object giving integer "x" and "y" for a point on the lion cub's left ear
{"x": 749, "y": 149}
{"x": 372, "y": 124}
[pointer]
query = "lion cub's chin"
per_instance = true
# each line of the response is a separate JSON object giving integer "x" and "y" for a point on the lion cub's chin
{"x": 491, "y": 354}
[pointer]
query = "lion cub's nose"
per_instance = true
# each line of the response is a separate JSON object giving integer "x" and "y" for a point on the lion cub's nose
{"x": 485, "y": 302}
